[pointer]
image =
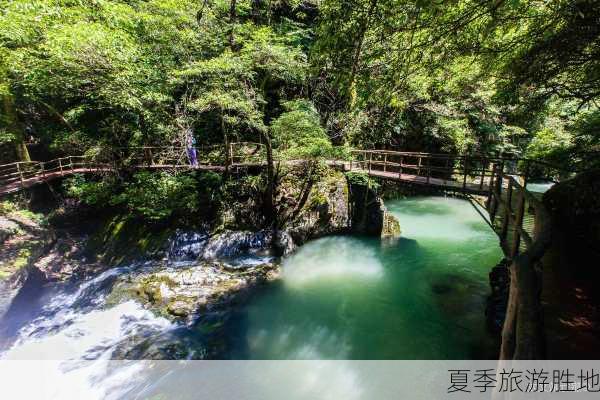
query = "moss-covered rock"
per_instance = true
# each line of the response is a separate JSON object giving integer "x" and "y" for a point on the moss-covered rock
{"x": 368, "y": 214}
{"x": 7, "y": 228}
{"x": 185, "y": 293}
{"x": 122, "y": 238}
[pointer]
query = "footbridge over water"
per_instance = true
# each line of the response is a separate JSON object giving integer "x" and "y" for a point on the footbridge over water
{"x": 497, "y": 188}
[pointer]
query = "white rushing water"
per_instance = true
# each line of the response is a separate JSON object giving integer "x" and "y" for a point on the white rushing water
{"x": 75, "y": 326}
{"x": 330, "y": 259}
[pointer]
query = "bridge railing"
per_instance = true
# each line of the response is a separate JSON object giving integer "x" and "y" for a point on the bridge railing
{"x": 461, "y": 172}
{"x": 178, "y": 156}
{"x": 523, "y": 225}
{"x": 18, "y": 175}
{"x": 464, "y": 172}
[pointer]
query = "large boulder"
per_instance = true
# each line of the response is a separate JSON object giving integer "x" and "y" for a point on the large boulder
{"x": 7, "y": 229}
{"x": 185, "y": 293}
{"x": 325, "y": 212}
{"x": 368, "y": 214}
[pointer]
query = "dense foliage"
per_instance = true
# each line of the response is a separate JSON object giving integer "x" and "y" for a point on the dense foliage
{"x": 504, "y": 77}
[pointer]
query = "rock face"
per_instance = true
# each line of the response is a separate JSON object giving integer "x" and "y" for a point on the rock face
{"x": 368, "y": 214}
{"x": 325, "y": 212}
{"x": 497, "y": 302}
{"x": 7, "y": 229}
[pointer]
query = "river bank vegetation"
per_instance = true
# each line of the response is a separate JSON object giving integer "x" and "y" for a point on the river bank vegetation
{"x": 500, "y": 77}
{"x": 307, "y": 80}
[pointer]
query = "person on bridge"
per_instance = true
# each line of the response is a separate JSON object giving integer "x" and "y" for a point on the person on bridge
{"x": 191, "y": 149}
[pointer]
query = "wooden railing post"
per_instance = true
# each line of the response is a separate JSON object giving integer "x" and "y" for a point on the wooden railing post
{"x": 525, "y": 177}
{"x": 60, "y": 165}
{"x": 370, "y": 160}
{"x": 491, "y": 203}
{"x": 464, "y": 185}
{"x": 20, "y": 173}
{"x": 419, "y": 166}
{"x": 148, "y": 156}
{"x": 507, "y": 212}
{"x": 483, "y": 167}
{"x": 496, "y": 193}
{"x": 428, "y": 169}
{"x": 400, "y": 169}
{"x": 43, "y": 171}
{"x": 514, "y": 250}
{"x": 385, "y": 162}
{"x": 71, "y": 163}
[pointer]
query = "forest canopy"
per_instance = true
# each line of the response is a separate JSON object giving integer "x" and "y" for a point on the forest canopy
{"x": 492, "y": 76}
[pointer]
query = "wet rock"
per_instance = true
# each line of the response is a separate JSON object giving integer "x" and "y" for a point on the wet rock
{"x": 498, "y": 299}
{"x": 187, "y": 292}
{"x": 180, "y": 308}
{"x": 7, "y": 229}
{"x": 187, "y": 246}
{"x": 391, "y": 226}
{"x": 233, "y": 243}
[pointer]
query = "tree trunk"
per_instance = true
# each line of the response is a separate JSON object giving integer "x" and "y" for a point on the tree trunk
{"x": 14, "y": 127}
{"x": 358, "y": 51}
{"x": 270, "y": 211}
{"x": 226, "y": 151}
{"x": 232, "y": 21}
{"x": 256, "y": 11}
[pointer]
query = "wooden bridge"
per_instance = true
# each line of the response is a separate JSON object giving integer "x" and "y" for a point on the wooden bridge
{"x": 497, "y": 188}
{"x": 496, "y": 185}
{"x": 25, "y": 174}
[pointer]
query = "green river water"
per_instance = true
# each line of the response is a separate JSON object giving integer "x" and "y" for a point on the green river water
{"x": 420, "y": 297}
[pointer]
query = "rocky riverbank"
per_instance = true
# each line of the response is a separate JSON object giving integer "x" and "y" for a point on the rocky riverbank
{"x": 193, "y": 271}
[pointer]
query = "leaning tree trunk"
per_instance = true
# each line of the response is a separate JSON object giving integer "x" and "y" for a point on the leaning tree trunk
{"x": 522, "y": 330}
{"x": 13, "y": 125}
{"x": 232, "y": 21}
{"x": 269, "y": 195}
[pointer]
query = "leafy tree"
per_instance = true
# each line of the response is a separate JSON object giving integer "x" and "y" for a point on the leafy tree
{"x": 158, "y": 196}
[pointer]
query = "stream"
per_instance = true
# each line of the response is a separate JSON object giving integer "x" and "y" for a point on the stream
{"x": 342, "y": 297}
